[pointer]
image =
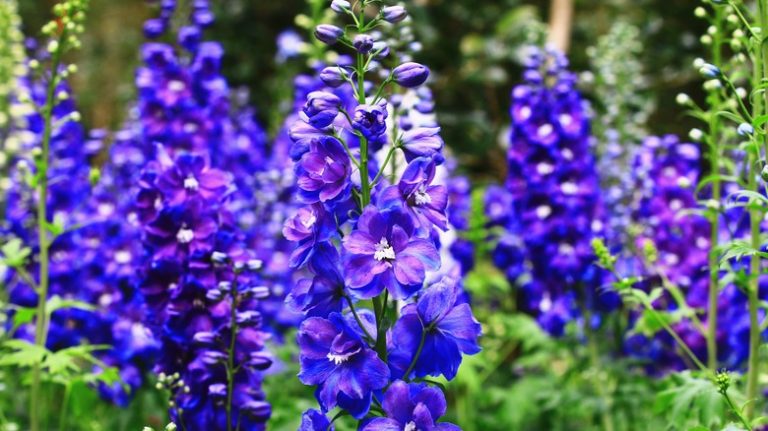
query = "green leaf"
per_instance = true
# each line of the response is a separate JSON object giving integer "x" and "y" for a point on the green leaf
{"x": 737, "y": 250}
{"x": 731, "y": 116}
{"x": 651, "y": 322}
{"x": 22, "y": 316}
{"x": 57, "y": 303}
{"x": 758, "y": 121}
{"x": 14, "y": 254}
{"x": 19, "y": 353}
{"x": 691, "y": 402}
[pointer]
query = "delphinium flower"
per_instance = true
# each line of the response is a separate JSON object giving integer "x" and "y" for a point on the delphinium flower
{"x": 554, "y": 189}
{"x": 210, "y": 200}
{"x": 375, "y": 203}
{"x": 622, "y": 110}
{"x": 666, "y": 172}
{"x": 91, "y": 258}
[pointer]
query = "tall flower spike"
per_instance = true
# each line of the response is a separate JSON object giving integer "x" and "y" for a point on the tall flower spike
{"x": 555, "y": 196}
{"x": 369, "y": 165}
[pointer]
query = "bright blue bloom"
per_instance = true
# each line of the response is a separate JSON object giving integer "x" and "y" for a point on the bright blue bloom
{"x": 383, "y": 253}
{"x": 335, "y": 358}
{"x": 411, "y": 406}
{"x": 313, "y": 420}
{"x": 321, "y": 108}
{"x": 370, "y": 120}
{"x": 448, "y": 329}
{"x": 323, "y": 173}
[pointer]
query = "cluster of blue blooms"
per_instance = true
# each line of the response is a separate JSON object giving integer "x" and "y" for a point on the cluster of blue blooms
{"x": 551, "y": 206}
{"x": 666, "y": 173}
{"x": 210, "y": 203}
{"x": 368, "y": 231}
{"x": 92, "y": 258}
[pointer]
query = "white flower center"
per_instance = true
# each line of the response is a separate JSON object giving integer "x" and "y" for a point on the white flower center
{"x": 525, "y": 112}
{"x": 384, "y": 251}
{"x": 569, "y": 188}
{"x": 544, "y": 168}
{"x": 339, "y": 359}
{"x": 190, "y": 183}
{"x": 410, "y": 426}
{"x": 185, "y": 235}
{"x": 566, "y": 120}
{"x": 308, "y": 223}
{"x": 421, "y": 197}
{"x": 543, "y": 211}
{"x": 545, "y": 130}
{"x": 176, "y": 86}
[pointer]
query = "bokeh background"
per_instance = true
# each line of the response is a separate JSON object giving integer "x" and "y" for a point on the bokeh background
{"x": 472, "y": 47}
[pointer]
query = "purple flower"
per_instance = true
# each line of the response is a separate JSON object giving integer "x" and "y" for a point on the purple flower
{"x": 310, "y": 226}
{"x": 426, "y": 202}
{"x": 394, "y": 14}
{"x": 363, "y": 43}
{"x": 448, "y": 329}
{"x": 413, "y": 406}
{"x": 339, "y": 6}
{"x": 370, "y": 120}
{"x": 189, "y": 178}
{"x": 334, "y": 357}
{"x": 328, "y": 34}
{"x": 321, "y": 109}
{"x": 410, "y": 75}
{"x": 422, "y": 142}
{"x": 324, "y": 171}
{"x": 323, "y": 294}
{"x": 313, "y": 420}
{"x": 383, "y": 253}
{"x": 333, "y": 76}
{"x": 181, "y": 229}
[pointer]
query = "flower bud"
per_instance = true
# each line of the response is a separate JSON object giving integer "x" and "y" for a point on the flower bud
{"x": 394, "y": 14}
{"x": 340, "y": 6}
{"x": 328, "y": 34}
{"x": 411, "y": 75}
{"x": 696, "y": 134}
{"x": 321, "y": 108}
{"x": 683, "y": 99}
{"x": 710, "y": 71}
{"x": 260, "y": 360}
{"x": 219, "y": 258}
{"x": 422, "y": 141}
{"x": 745, "y": 129}
{"x": 363, "y": 43}
{"x": 333, "y": 76}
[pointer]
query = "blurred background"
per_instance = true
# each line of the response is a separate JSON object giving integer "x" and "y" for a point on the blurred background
{"x": 472, "y": 47}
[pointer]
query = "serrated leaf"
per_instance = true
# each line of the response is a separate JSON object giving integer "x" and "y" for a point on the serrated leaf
{"x": 22, "y": 316}
{"x": 691, "y": 401}
{"x": 652, "y": 322}
{"x": 57, "y": 303}
{"x": 739, "y": 249}
{"x": 19, "y": 353}
{"x": 14, "y": 253}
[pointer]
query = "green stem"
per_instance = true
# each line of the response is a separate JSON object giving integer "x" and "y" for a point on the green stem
{"x": 736, "y": 411}
{"x": 357, "y": 318}
{"x": 41, "y": 332}
{"x": 418, "y": 352}
{"x": 714, "y": 160}
{"x": 594, "y": 356}
{"x": 231, "y": 354}
{"x": 756, "y": 216}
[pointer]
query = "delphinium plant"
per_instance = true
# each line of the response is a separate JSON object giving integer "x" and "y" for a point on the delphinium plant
{"x": 48, "y": 182}
{"x": 622, "y": 105}
{"x": 207, "y": 215}
{"x": 368, "y": 241}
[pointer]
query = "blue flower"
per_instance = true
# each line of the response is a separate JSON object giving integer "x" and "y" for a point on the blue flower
{"x": 382, "y": 252}
{"x": 321, "y": 109}
{"x": 370, "y": 120}
{"x": 426, "y": 202}
{"x": 324, "y": 171}
{"x": 335, "y": 358}
{"x": 410, "y": 75}
{"x": 313, "y": 420}
{"x": 411, "y": 407}
{"x": 447, "y": 327}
